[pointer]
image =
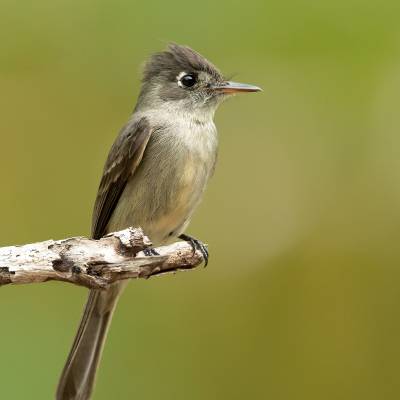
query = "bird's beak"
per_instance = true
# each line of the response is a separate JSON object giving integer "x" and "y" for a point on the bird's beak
{"x": 235, "y": 87}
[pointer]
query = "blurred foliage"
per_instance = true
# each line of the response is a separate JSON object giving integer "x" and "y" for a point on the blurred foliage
{"x": 301, "y": 297}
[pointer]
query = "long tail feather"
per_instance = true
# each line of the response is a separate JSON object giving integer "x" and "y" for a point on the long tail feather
{"x": 77, "y": 378}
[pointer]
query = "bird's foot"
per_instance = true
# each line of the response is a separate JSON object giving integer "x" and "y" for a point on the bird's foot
{"x": 196, "y": 245}
{"x": 150, "y": 252}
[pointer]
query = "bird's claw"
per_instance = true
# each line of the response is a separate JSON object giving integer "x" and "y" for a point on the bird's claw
{"x": 150, "y": 252}
{"x": 197, "y": 245}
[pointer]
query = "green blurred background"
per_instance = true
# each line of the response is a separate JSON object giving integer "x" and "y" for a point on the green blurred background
{"x": 302, "y": 295}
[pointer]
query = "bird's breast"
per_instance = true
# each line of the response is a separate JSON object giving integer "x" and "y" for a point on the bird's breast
{"x": 169, "y": 182}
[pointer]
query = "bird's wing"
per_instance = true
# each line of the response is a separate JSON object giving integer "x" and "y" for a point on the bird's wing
{"x": 123, "y": 159}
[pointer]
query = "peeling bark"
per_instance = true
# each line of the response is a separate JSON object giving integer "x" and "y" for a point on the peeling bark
{"x": 93, "y": 263}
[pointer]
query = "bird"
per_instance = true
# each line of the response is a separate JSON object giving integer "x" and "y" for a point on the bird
{"x": 154, "y": 177}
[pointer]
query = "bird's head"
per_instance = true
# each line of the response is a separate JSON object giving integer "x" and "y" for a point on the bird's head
{"x": 181, "y": 77}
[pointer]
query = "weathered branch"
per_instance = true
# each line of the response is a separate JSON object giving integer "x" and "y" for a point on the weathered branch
{"x": 93, "y": 263}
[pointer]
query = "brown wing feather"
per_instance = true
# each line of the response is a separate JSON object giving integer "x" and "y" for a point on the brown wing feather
{"x": 123, "y": 159}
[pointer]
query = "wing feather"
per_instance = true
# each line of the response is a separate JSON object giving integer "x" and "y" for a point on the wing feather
{"x": 124, "y": 157}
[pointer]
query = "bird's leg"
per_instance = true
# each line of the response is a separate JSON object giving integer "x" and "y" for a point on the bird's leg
{"x": 196, "y": 245}
{"x": 150, "y": 252}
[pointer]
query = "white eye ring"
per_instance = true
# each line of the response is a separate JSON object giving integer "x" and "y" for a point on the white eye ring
{"x": 179, "y": 77}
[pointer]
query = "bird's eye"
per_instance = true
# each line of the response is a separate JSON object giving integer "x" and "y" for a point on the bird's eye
{"x": 188, "y": 80}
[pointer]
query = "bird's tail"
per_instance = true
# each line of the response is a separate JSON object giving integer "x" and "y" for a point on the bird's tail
{"x": 78, "y": 375}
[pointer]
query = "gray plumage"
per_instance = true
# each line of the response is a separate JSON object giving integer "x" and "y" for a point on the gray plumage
{"x": 154, "y": 177}
{"x": 175, "y": 59}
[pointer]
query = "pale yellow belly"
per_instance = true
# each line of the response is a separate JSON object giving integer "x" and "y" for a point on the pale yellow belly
{"x": 168, "y": 184}
{"x": 162, "y": 209}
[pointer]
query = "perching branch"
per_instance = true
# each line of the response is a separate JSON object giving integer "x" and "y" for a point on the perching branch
{"x": 93, "y": 263}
